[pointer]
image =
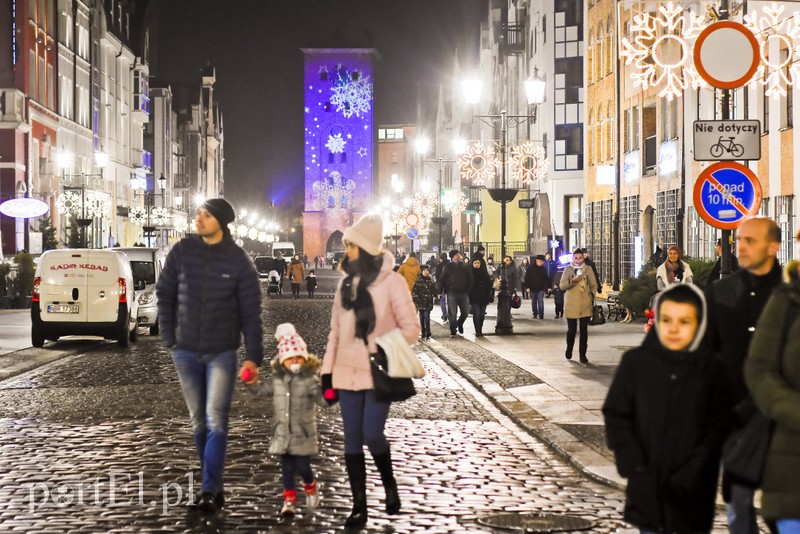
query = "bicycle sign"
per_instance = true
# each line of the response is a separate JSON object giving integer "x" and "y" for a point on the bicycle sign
{"x": 726, "y": 193}
{"x": 727, "y": 140}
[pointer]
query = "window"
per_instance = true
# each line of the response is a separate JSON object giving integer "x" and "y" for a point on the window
{"x": 628, "y": 229}
{"x": 569, "y": 147}
{"x": 32, "y": 74}
{"x": 632, "y": 129}
{"x": 764, "y": 110}
{"x": 783, "y": 216}
{"x": 51, "y": 87}
{"x": 666, "y": 217}
{"x": 42, "y": 95}
{"x": 786, "y": 101}
{"x": 390, "y": 134}
{"x": 573, "y": 208}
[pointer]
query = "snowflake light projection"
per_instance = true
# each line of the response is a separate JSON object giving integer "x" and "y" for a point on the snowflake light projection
{"x": 424, "y": 204}
{"x": 68, "y": 203}
{"x": 351, "y": 92}
{"x": 335, "y": 144}
{"x": 454, "y": 201}
{"x": 776, "y": 76}
{"x": 333, "y": 195}
{"x": 528, "y": 163}
{"x": 478, "y": 164}
{"x": 661, "y": 52}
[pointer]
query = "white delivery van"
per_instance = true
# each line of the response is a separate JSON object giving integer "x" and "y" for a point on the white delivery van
{"x": 84, "y": 292}
{"x": 146, "y": 264}
{"x": 286, "y": 248}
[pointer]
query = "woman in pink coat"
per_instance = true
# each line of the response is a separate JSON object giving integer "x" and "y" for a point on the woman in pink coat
{"x": 370, "y": 301}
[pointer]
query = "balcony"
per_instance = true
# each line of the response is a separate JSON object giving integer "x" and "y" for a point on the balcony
{"x": 512, "y": 39}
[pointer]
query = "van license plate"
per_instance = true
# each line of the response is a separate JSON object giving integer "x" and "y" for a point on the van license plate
{"x": 63, "y": 308}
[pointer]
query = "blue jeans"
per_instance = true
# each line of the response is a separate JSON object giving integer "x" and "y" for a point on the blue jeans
{"x": 425, "y": 322}
{"x": 364, "y": 419}
{"x": 291, "y": 464}
{"x": 443, "y": 305}
{"x": 456, "y": 302}
{"x": 207, "y": 384}
{"x": 478, "y": 316}
{"x": 788, "y": 526}
{"x": 741, "y": 512}
{"x": 537, "y": 303}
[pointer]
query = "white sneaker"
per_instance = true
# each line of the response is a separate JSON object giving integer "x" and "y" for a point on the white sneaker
{"x": 288, "y": 509}
{"x": 312, "y": 494}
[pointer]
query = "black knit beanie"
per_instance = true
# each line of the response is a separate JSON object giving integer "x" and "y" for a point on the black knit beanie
{"x": 222, "y": 212}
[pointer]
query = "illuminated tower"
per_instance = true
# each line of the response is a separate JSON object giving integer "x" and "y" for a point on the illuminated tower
{"x": 339, "y": 142}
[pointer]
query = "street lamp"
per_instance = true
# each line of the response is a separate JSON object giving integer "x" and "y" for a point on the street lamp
{"x": 439, "y": 221}
{"x": 535, "y": 92}
{"x": 67, "y": 204}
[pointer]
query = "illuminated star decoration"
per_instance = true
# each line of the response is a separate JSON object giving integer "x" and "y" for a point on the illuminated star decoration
{"x": 351, "y": 92}
{"x": 333, "y": 195}
{"x": 528, "y": 163}
{"x": 362, "y": 151}
{"x": 454, "y": 201}
{"x": 775, "y": 75}
{"x": 478, "y": 164}
{"x": 424, "y": 204}
{"x": 661, "y": 51}
{"x": 335, "y": 144}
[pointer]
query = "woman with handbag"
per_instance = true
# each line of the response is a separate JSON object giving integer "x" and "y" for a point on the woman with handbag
{"x": 579, "y": 287}
{"x": 772, "y": 372}
{"x": 480, "y": 294}
{"x": 371, "y": 301}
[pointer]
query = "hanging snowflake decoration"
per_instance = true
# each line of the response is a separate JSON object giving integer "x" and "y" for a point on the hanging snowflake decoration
{"x": 776, "y": 76}
{"x": 398, "y": 217}
{"x": 137, "y": 216}
{"x": 661, "y": 52}
{"x": 351, "y": 93}
{"x": 424, "y": 204}
{"x": 334, "y": 195}
{"x": 335, "y": 144}
{"x": 528, "y": 163}
{"x": 159, "y": 216}
{"x": 68, "y": 203}
{"x": 97, "y": 205}
{"x": 478, "y": 164}
{"x": 454, "y": 201}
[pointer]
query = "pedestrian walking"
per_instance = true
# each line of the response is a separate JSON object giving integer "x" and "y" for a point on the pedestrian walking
{"x": 480, "y": 294}
{"x": 735, "y": 304}
{"x": 589, "y": 262}
{"x": 665, "y": 419}
{"x": 371, "y": 300}
{"x": 296, "y": 393}
{"x": 208, "y": 296}
{"x": 311, "y": 283}
{"x": 551, "y": 266}
{"x": 716, "y": 270}
{"x": 443, "y": 261}
{"x": 409, "y": 270}
{"x": 773, "y": 376}
{"x": 558, "y": 297}
{"x": 305, "y": 261}
{"x": 536, "y": 283}
{"x": 507, "y": 272}
{"x": 490, "y": 266}
{"x": 316, "y": 262}
{"x": 455, "y": 283}
{"x": 674, "y": 270}
{"x": 424, "y": 293}
{"x": 521, "y": 271}
{"x": 296, "y": 275}
{"x": 579, "y": 286}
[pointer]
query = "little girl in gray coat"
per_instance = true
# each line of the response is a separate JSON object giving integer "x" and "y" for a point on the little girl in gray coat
{"x": 296, "y": 393}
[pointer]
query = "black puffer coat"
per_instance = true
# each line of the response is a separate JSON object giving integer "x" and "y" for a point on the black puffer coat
{"x": 665, "y": 421}
{"x": 481, "y": 290}
{"x": 208, "y": 295}
{"x": 423, "y": 293}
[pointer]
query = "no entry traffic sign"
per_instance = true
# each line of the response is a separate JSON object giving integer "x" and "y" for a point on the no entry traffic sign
{"x": 714, "y": 48}
{"x": 726, "y": 193}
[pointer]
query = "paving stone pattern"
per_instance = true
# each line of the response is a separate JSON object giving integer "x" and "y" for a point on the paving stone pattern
{"x": 66, "y": 427}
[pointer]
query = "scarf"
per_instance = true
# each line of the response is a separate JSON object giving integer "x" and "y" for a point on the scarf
{"x": 356, "y": 297}
{"x": 674, "y": 272}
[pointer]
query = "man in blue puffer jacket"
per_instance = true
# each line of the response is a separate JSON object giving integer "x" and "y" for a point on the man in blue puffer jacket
{"x": 208, "y": 296}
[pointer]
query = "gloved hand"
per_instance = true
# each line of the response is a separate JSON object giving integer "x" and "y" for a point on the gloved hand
{"x": 328, "y": 393}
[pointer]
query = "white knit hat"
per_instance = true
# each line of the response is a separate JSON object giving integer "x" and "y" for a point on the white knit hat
{"x": 367, "y": 233}
{"x": 289, "y": 342}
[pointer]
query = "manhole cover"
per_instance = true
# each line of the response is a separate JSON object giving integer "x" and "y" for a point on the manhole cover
{"x": 536, "y": 522}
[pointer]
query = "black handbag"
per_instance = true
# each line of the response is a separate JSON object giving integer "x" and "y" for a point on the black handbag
{"x": 386, "y": 388}
{"x": 516, "y": 301}
{"x": 598, "y": 317}
{"x": 745, "y": 451}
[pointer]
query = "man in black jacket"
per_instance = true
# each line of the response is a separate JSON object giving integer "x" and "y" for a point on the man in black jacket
{"x": 716, "y": 270}
{"x": 536, "y": 283}
{"x": 208, "y": 296}
{"x": 734, "y": 305}
{"x": 456, "y": 282}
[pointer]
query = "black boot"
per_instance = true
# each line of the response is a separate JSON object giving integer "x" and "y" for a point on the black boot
{"x": 357, "y": 474}
{"x": 383, "y": 462}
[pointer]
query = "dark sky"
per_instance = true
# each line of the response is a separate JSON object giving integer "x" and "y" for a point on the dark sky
{"x": 255, "y": 46}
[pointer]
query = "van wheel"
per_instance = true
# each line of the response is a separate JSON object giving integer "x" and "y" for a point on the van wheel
{"x": 154, "y": 330}
{"x": 124, "y": 336}
{"x": 37, "y": 336}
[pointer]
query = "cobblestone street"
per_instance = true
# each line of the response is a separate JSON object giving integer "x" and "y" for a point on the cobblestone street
{"x": 99, "y": 442}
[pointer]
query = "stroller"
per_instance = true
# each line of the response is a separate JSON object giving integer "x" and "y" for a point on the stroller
{"x": 274, "y": 286}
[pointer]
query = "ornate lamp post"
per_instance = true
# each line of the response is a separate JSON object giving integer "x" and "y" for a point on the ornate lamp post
{"x": 67, "y": 201}
{"x": 439, "y": 163}
{"x": 535, "y": 91}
